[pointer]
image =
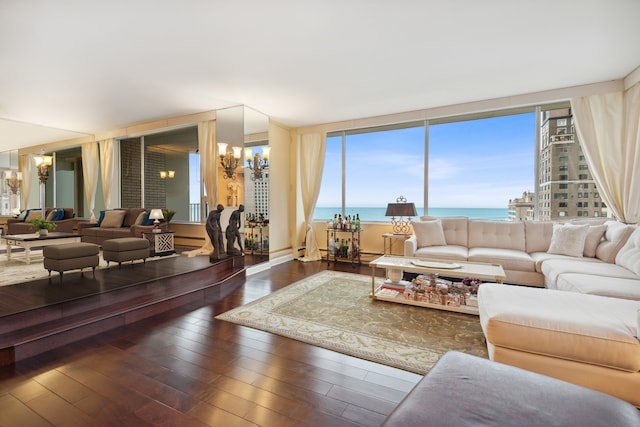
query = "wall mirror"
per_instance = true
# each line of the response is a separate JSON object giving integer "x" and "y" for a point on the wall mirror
{"x": 256, "y": 185}
{"x": 10, "y": 184}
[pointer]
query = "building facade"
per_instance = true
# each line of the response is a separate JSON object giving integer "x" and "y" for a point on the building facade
{"x": 566, "y": 189}
{"x": 522, "y": 208}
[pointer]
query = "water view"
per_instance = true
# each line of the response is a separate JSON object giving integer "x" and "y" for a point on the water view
{"x": 377, "y": 214}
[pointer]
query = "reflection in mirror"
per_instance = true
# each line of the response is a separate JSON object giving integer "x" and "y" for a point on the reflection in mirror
{"x": 256, "y": 184}
{"x": 11, "y": 183}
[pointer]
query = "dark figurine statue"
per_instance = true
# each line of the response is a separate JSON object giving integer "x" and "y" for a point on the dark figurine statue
{"x": 233, "y": 232}
{"x": 214, "y": 230}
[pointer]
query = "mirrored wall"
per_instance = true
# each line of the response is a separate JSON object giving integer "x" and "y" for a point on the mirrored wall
{"x": 11, "y": 184}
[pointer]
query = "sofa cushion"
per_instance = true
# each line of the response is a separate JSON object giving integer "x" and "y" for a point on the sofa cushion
{"x": 448, "y": 252}
{"x": 509, "y": 259}
{"x": 131, "y": 216}
{"x": 555, "y": 267}
{"x": 629, "y": 255}
{"x": 112, "y": 219}
{"x": 496, "y": 234}
{"x": 615, "y": 287}
{"x": 540, "y": 257}
{"x": 568, "y": 239}
{"x": 567, "y": 325}
{"x": 429, "y": 233}
{"x": 614, "y": 238}
{"x": 594, "y": 237}
{"x": 538, "y": 235}
{"x": 51, "y": 214}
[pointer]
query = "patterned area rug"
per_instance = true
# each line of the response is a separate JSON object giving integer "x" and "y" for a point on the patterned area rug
{"x": 333, "y": 310}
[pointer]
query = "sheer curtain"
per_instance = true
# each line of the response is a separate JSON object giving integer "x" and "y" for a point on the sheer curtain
{"x": 90, "y": 166}
{"x": 24, "y": 166}
{"x": 107, "y": 169}
{"x": 208, "y": 168}
{"x": 312, "y": 148}
{"x": 609, "y": 129}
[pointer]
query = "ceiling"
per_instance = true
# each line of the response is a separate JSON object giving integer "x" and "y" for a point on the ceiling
{"x": 74, "y": 67}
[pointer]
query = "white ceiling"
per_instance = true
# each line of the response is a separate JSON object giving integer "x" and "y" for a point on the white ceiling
{"x": 74, "y": 67}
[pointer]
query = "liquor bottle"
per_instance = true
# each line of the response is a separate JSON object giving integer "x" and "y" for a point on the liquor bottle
{"x": 357, "y": 222}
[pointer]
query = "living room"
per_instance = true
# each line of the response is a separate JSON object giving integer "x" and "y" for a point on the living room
{"x": 494, "y": 86}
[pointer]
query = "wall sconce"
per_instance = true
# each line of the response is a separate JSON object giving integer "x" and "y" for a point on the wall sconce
{"x": 167, "y": 174}
{"x": 156, "y": 215}
{"x": 401, "y": 209}
{"x": 43, "y": 163}
{"x": 14, "y": 181}
{"x": 257, "y": 164}
{"x": 229, "y": 160}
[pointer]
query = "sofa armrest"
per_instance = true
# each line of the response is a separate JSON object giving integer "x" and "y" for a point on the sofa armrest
{"x": 410, "y": 246}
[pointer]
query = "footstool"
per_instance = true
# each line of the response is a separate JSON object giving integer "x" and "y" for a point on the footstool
{"x": 71, "y": 256}
{"x": 125, "y": 249}
{"x": 463, "y": 390}
{"x": 589, "y": 340}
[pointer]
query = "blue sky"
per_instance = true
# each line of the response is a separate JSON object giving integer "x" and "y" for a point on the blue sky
{"x": 477, "y": 163}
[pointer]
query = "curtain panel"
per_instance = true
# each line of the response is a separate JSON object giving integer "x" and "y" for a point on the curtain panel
{"x": 24, "y": 166}
{"x": 311, "y": 161}
{"x": 608, "y": 128}
{"x": 90, "y": 167}
{"x": 208, "y": 168}
{"x": 107, "y": 169}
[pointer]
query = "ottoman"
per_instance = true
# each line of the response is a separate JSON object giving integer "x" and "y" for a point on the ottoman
{"x": 463, "y": 390}
{"x": 125, "y": 249}
{"x": 589, "y": 340}
{"x": 71, "y": 256}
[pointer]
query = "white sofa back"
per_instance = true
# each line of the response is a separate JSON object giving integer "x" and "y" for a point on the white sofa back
{"x": 497, "y": 234}
{"x": 629, "y": 255}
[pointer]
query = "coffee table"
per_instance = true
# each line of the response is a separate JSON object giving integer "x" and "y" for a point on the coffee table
{"x": 28, "y": 241}
{"x": 454, "y": 269}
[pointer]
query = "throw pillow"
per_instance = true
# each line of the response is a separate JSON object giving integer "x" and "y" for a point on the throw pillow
{"x": 100, "y": 218}
{"x": 429, "y": 233}
{"x": 113, "y": 219}
{"x": 140, "y": 218}
{"x": 594, "y": 236}
{"x": 33, "y": 213}
{"x": 568, "y": 239}
{"x": 59, "y": 215}
{"x": 51, "y": 214}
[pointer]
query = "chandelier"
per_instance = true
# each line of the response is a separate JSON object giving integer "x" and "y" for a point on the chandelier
{"x": 14, "y": 181}
{"x": 257, "y": 164}
{"x": 229, "y": 159}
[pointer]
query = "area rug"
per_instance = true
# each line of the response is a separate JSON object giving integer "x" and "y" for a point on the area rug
{"x": 333, "y": 310}
{"x": 17, "y": 271}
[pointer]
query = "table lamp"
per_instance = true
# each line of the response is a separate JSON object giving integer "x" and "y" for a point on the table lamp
{"x": 156, "y": 216}
{"x": 398, "y": 212}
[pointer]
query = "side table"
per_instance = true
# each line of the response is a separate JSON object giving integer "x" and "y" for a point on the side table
{"x": 161, "y": 243}
{"x": 391, "y": 237}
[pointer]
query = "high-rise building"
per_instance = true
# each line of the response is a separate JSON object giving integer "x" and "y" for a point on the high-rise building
{"x": 522, "y": 208}
{"x": 565, "y": 186}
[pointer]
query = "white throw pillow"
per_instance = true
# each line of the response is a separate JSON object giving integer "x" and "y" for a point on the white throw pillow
{"x": 594, "y": 236}
{"x": 429, "y": 233}
{"x": 113, "y": 219}
{"x": 568, "y": 239}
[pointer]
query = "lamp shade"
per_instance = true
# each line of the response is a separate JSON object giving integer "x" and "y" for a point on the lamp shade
{"x": 156, "y": 214}
{"x": 401, "y": 209}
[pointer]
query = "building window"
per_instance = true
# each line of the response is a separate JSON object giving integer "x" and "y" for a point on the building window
{"x": 583, "y": 176}
{"x": 564, "y": 177}
{"x": 563, "y": 168}
{"x": 583, "y": 167}
{"x": 563, "y": 159}
{"x": 562, "y": 204}
{"x": 563, "y": 186}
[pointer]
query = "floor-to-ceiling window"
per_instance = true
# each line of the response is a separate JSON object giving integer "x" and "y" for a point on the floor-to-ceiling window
{"x": 472, "y": 166}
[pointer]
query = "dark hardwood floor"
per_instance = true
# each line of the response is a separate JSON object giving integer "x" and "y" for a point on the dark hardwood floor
{"x": 183, "y": 368}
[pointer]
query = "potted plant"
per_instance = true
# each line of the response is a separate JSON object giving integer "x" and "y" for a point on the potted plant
{"x": 168, "y": 214}
{"x": 42, "y": 226}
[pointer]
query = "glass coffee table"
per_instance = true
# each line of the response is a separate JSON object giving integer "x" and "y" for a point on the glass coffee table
{"x": 452, "y": 269}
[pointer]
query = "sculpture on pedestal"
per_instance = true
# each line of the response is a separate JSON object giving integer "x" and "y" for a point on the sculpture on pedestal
{"x": 233, "y": 232}
{"x": 214, "y": 230}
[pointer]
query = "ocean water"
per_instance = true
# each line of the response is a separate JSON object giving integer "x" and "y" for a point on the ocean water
{"x": 377, "y": 214}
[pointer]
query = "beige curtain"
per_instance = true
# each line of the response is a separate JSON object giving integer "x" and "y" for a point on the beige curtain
{"x": 24, "y": 166}
{"x": 107, "y": 169}
{"x": 208, "y": 168}
{"x": 609, "y": 130}
{"x": 311, "y": 161}
{"x": 90, "y": 166}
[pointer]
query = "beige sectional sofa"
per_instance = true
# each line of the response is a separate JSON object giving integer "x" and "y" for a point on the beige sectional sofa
{"x": 531, "y": 253}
